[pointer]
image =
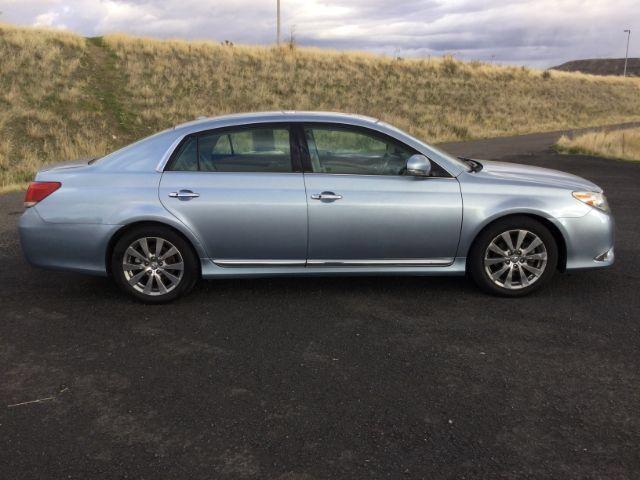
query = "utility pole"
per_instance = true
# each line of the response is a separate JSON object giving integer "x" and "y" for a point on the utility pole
{"x": 278, "y": 24}
{"x": 626, "y": 55}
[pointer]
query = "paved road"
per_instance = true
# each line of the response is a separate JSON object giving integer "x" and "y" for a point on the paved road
{"x": 326, "y": 378}
{"x": 533, "y": 143}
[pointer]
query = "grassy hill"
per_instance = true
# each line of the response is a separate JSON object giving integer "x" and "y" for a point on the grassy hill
{"x": 602, "y": 66}
{"x": 622, "y": 144}
{"x": 64, "y": 96}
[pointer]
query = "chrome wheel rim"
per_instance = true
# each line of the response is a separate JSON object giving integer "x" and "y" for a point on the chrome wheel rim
{"x": 153, "y": 266}
{"x": 515, "y": 259}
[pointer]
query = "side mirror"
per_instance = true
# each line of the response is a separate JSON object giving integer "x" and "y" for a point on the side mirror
{"x": 418, "y": 166}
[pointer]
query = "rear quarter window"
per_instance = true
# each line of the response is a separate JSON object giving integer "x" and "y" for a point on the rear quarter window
{"x": 186, "y": 159}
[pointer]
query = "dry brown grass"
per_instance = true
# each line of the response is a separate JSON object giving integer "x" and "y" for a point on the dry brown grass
{"x": 45, "y": 113}
{"x": 623, "y": 144}
{"x": 437, "y": 99}
{"x": 64, "y": 96}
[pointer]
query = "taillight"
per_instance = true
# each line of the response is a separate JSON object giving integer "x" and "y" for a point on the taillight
{"x": 38, "y": 191}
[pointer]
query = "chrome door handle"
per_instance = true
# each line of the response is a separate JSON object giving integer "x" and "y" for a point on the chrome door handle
{"x": 186, "y": 194}
{"x": 326, "y": 196}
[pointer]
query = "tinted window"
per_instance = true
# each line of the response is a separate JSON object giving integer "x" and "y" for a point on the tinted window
{"x": 186, "y": 159}
{"x": 351, "y": 151}
{"x": 246, "y": 150}
{"x": 260, "y": 149}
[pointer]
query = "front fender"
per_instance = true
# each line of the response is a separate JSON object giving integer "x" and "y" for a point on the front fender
{"x": 485, "y": 202}
{"x": 472, "y": 225}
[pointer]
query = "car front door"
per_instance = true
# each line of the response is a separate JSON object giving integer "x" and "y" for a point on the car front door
{"x": 364, "y": 211}
{"x": 241, "y": 190}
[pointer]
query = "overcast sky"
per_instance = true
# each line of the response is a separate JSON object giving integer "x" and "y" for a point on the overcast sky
{"x": 539, "y": 33}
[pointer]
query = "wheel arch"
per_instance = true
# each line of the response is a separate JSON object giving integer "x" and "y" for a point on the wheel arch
{"x": 146, "y": 223}
{"x": 552, "y": 227}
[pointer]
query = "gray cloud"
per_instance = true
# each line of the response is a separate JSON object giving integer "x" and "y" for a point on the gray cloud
{"x": 533, "y": 32}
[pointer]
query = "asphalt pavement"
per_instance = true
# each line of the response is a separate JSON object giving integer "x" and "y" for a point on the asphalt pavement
{"x": 318, "y": 378}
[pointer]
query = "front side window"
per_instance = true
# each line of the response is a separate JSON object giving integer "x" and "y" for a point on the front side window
{"x": 260, "y": 149}
{"x": 342, "y": 150}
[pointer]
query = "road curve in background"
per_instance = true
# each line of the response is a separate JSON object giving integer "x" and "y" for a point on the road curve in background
{"x": 498, "y": 148}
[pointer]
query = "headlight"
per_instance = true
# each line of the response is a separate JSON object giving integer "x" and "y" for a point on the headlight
{"x": 594, "y": 199}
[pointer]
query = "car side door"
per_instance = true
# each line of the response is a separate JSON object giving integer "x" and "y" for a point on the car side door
{"x": 241, "y": 190}
{"x": 365, "y": 211}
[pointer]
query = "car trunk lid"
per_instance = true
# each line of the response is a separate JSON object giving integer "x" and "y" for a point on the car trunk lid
{"x": 80, "y": 162}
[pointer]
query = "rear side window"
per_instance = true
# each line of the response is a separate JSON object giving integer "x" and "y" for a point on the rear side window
{"x": 261, "y": 149}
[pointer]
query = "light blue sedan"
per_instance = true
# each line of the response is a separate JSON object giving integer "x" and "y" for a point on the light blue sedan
{"x": 295, "y": 193}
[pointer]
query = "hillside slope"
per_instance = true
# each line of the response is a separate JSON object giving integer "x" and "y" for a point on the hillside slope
{"x": 623, "y": 144}
{"x": 602, "y": 66}
{"x": 64, "y": 96}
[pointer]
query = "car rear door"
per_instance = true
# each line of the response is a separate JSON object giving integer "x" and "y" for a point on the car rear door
{"x": 363, "y": 211}
{"x": 241, "y": 190}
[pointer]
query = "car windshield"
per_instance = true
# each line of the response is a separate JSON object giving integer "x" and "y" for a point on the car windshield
{"x": 434, "y": 153}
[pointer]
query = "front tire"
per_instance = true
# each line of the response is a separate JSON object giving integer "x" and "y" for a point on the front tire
{"x": 513, "y": 257}
{"x": 154, "y": 264}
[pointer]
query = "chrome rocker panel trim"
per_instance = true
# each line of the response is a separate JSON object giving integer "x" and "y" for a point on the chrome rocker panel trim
{"x": 241, "y": 263}
{"x": 210, "y": 269}
{"x": 417, "y": 262}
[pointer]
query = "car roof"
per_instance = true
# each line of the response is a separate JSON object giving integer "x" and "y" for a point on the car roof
{"x": 152, "y": 153}
{"x": 274, "y": 116}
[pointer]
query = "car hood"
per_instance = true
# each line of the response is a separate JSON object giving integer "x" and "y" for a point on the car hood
{"x": 531, "y": 174}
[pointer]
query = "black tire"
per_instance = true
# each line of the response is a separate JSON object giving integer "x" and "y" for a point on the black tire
{"x": 476, "y": 262}
{"x": 185, "y": 255}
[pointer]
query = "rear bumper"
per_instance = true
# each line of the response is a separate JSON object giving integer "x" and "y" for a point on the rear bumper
{"x": 589, "y": 240}
{"x": 64, "y": 246}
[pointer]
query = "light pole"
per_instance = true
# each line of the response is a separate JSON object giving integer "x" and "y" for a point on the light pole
{"x": 626, "y": 55}
{"x": 278, "y": 24}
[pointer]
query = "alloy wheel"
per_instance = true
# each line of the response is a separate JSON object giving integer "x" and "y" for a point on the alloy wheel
{"x": 515, "y": 259}
{"x": 153, "y": 266}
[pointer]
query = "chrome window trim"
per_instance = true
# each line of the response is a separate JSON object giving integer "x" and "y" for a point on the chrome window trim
{"x": 233, "y": 173}
{"x": 378, "y": 176}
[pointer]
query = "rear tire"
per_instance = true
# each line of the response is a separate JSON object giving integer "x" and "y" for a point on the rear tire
{"x": 513, "y": 257}
{"x": 154, "y": 264}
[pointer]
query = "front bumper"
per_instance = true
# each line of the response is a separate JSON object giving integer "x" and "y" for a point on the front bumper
{"x": 66, "y": 246}
{"x": 589, "y": 240}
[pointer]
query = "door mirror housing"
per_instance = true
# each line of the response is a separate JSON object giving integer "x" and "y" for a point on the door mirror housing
{"x": 418, "y": 166}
